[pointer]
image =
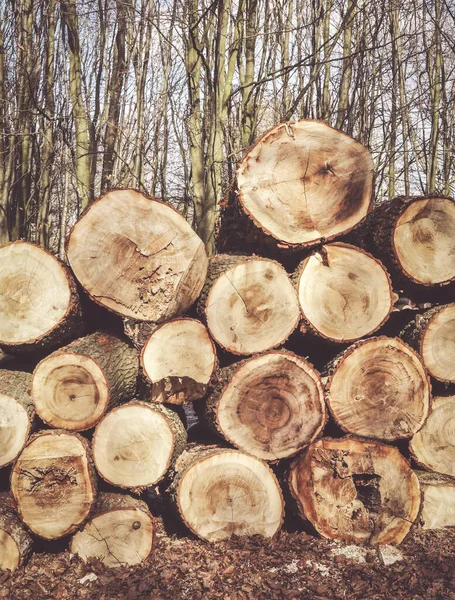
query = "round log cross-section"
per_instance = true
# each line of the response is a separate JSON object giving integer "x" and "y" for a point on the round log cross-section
{"x": 15, "y": 542}
{"x": 433, "y": 446}
{"x": 53, "y": 484}
{"x": 179, "y": 359}
{"x": 355, "y": 491}
{"x": 221, "y": 493}
{"x": 344, "y": 293}
{"x": 270, "y": 406}
{"x": 135, "y": 444}
{"x": 305, "y": 181}
{"x": 39, "y": 303}
{"x": 137, "y": 256}
{"x": 379, "y": 389}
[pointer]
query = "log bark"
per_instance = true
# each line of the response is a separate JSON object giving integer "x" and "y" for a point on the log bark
{"x": 433, "y": 447}
{"x": 249, "y": 304}
{"x": 136, "y": 443}
{"x": 344, "y": 292}
{"x": 300, "y": 184}
{"x": 220, "y": 493}
{"x": 270, "y": 406}
{"x": 378, "y": 388}
{"x": 438, "y": 500}
{"x": 53, "y": 483}
{"x": 75, "y": 386}
{"x": 39, "y": 302}
{"x": 137, "y": 256}
{"x": 120, "y": 533}
{"x": 15, "y": 542}
{"x": 432, "y": 334}
{"x": 179, "y": 359}
{"x": 356, "y": 491}
{"x": 17, "y": 414}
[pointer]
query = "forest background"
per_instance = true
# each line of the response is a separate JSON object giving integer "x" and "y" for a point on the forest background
{"x": 167, "y": 95}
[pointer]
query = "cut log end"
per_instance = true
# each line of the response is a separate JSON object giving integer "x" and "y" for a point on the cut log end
{"x": 236, "y": 494}
{"x": 438, "y": 344}
{"x": 52, "y": 484}
{"x": 438, "y": 501}
{"x": 355, "y": 491}
{"x": 137, "y": 256}
{"x": 252, "y": 307}
{"x": 344, "y": 293}
{"x": 272, "y": 406}
{"x": 15, "y": 542}
{"x": 179, "y": 360}
{"x": 424, "y": 242}
{"x": 305, "y": 181}
{"x": 14, "y": 429}
{"x": 380, "y": 389}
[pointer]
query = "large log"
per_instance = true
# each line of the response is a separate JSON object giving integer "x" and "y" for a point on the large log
{"x": 378, "y": 388}
{"x": 438, "y": 500}
{"x": 220, "y": 493}
{"x": 433, "y": 447}
{"x": 73, "y": 387}
{"x": 344, "y": 293}
{"x": 15, "y": 542}
{"x": 179, "y": 359}
{"x": 356, "y": 491}
{"x": 53, "y": 483}
{"x": 39, "y": 302}
{"x": 17, "y": 414}
{"x": 270, "y": 406}
{"x": 136, "y": 443}
{"x": 432, "y": 334}
{"x": 120, "y": 532}
{"x": 249, "y": 303}
{"x": 137, "y": 256}
{"x": 300, "y": 184}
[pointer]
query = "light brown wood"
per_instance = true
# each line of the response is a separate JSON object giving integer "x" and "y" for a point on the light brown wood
{"x": 39, "y": 303}
{"x": 270, "y": 406}
{"x": 73, "y": 387}
{"x": 221, "y": 493}
{"x": 120, "y": 533}
{"x": 438, "y": 500}
{"x": 15, "y": 542}
{"x": 136, "y": 443}
{"x": 17, "y": 414}
{"x": 53, "y": 484}
{"x": 344, "y": 293}
{"x": 303, "y": 182}
{"x": 433, "y": 447}
{"x": 379, "y": 389}
{"x": 356, "y": 491}
{"x": 137, "y": 256}
{"x": 179, "y": 359}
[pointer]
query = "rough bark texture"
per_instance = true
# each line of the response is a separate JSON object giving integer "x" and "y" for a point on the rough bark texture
{"x": 76, "y": 385}
{"x": 438, "y": 500}
{"x": 270, "y": 406}
{"x": 137, "y": 256}
{"x": 356, "y": 491}
{"x": 39, "y": 301}
{"x": 15, "y": 543}
{"x": 53, "y": 483}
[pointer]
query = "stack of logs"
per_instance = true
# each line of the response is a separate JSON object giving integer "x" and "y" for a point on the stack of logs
{"x": 318, "y": 346}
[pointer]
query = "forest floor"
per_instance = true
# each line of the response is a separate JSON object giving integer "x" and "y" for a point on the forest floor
{"x": 295, "y": 565}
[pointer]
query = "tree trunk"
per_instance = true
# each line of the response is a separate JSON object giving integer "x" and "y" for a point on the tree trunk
{"x": 135, "y": 444}
{"x": 344, "y": 293}
{"x": 379, "y": 389}
{"x": 249, "y": 303}
{"x": 270, "y": 406}
{"x": 221, "y": 493}
{"x": 15, "y": 542}
{"x": 39, "y": 303}
{"x": 433, "y": 447}
{"x": 179, "y": 360}
{"x": 17, "y": 414}
{"x": 432, "y": 335}
{"x": 300, "y": 184}
{"x": 438, "y": 500}
{"x": 53, "y": 483}
{"x": 74, "y": 387}
{"x": 356, "y": 491}
{"x": 120, "y": 533}
{"x": 137, "y": 257}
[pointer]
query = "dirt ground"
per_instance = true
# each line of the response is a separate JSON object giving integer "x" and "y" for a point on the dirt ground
{"x": 296, "y": 565}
